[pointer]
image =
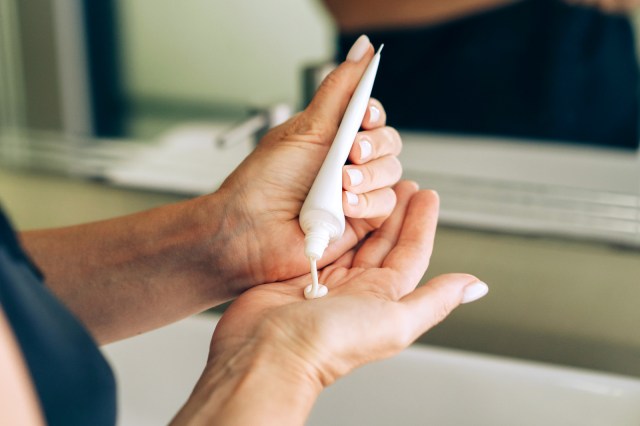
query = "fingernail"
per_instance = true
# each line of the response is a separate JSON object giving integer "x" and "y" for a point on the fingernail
{"x": 374, "y": 114}
{"x": 358, "y": 49}
{"x": 474, "y": 291}
{"x": 355, "y": 176}
{"x": 352, "y": 198}
{"x": 365, "y": 149}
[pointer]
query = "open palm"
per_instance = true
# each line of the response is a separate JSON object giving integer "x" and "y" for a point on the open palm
{"x": 371, "y": 311}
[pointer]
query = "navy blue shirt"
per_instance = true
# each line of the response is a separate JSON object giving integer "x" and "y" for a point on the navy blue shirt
{"x": 74, "y": 383}
{"x": 539, "y": 69}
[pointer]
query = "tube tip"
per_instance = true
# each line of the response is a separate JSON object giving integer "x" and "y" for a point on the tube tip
{"x": 380, "y": 49}
{"x": 315, "y": 243}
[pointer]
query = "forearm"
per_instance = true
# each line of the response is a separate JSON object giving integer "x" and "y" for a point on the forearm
{"x": 252, "y": 387}
{"x": 365, "y": 15}
{"x": 132, "y": 274}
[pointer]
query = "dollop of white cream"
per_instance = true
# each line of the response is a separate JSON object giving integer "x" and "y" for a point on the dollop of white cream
{"x": 321, "y": 291}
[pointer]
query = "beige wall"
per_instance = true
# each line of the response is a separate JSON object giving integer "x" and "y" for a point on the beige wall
{"x": 240, "y": 51}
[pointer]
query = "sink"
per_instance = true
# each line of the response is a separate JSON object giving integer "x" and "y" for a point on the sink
{"x": 423, "y": 385}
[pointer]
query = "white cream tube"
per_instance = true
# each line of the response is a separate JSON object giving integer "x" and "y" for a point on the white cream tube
{"x": 322, "y": 217}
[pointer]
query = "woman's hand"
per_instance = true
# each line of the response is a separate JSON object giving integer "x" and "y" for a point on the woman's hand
{"x": 273, "y": 351}
{"x": 263, "y": 197}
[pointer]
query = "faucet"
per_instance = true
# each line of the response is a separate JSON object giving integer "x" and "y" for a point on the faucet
{"x": 260, "y": 121}
{"x": 263, "y": 119}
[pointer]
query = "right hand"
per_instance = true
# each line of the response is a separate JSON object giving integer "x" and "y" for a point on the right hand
{"x": 262, "y": 198}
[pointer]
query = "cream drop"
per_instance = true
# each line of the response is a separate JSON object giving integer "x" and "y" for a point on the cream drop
{"x": 315, "y": 289}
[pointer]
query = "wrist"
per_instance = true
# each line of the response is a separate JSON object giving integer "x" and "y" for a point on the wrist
{"x": 254, "y": 384}
{"x": 231, "y": 246}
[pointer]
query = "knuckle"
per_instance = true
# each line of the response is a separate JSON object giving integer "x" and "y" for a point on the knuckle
{"x": 396, "y": 166}
{"x": 370, "y": 174}
{"x": 392, "y": 139}
{"x": 386, "y": 203}
{"x": 395, "y": 137}
{"x": 393, "y": 133}
{"x": 393, "y": 200}
{"x": 332, "y": 81}
{"x": 309, "y": 126}
{"x": 366, "y": 205}
{"x": 442, "y": 311}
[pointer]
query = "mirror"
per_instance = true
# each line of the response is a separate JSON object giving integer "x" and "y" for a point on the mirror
{"x": 522, "y": 114}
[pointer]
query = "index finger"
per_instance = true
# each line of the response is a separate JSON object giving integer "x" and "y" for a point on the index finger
{"x": 412, "y": 252}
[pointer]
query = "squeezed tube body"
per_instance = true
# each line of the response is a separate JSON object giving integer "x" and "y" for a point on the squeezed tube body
{"x": 322, "y": 218}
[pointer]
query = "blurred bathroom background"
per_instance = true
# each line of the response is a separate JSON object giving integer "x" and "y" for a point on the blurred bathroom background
{"x": 116, "y": 106}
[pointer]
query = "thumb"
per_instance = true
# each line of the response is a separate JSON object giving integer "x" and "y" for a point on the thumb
{"x": 434, "y": 301}
{"x": 332, "y": 97}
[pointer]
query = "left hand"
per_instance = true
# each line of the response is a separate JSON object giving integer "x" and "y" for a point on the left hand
{"x": 371, "y": 310}
{"x": 273, "y": 351}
